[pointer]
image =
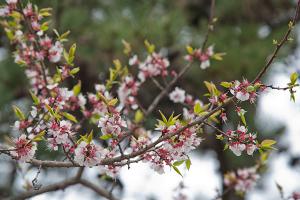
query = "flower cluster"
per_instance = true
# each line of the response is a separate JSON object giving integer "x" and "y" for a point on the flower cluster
{"x": 177, "y": 95}
{"x": 295, "y": 196}
{"x": 89, "y": 154}
{"x": 241, "y": 140}
{"x": 242, "y": 180}
{"x": 128, "y": 91}
{"x": 24, "y": 148}
{"x": 60, "y": 133}
{"x": 245, "y": 91}
{"x": 154, "y": 65}
{"x": 112, "y": 124}
{"x": 200, "y": 55}
{"x": 173, "y": 149}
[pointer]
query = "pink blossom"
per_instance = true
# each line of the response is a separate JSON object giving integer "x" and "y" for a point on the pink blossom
{"x": 4, "y": 11}
{"x": 242, "y": 180}
{"x": 177, "y": 95}
{"x": 88, "y": 154}
{"x": 112, "y": 124}
{"x": 24, "y": 148}
{"x": 11, "y": 1}
{"x": 237, "y": 148}
{"x": 154, "y": 65}
{"x": 55, "y": 52}
{"x": 296, "y": 195}
{"x": 133, "y": 60}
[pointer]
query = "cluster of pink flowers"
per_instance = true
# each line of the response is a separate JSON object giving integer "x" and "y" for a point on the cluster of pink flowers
{"x": 112, "y": 124}
{"x": 7, "y": 9}
{"x": 127, "y": 92}
{"x": 241, "y": 140}
{"x": 60, "y": 133}
{"x": 89, "y": 154}
{"x": 245, "y": 91}
{"x": 173, "y": 149}
{"x": 24, "y": 148}
{"x": 154, "y": 65}
{"x": 203, "y": 56}
{"x": 177, "y": 95}
{"x": 296, "y": 196}
{"x": 242, "y": 180}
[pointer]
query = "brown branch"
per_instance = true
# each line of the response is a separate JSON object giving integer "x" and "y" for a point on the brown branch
{"x": 31, "y": 31}
{"x": 97, "y": 189}
{"x": 50, "y": 188}
{"x": 279, "y": 45}
{"x": 210, "y": 23}
{"x": 63, "y": 185}
{"x": 184, "y": 70}
{"x": 166, "y": 90}
{"x": 278, "y": 88}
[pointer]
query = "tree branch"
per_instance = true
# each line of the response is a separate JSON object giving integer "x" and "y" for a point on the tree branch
{"x": 97, "y": 189}
{"x": 50, "y": 188}
{"x": 279, "y": 45}
{"x": 184, "y": 70}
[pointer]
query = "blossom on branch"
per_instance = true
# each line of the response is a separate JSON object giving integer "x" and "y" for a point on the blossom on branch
{"x": 24, "y": 148}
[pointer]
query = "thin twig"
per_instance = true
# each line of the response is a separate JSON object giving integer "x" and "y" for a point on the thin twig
{"x": 184, "y": 70}
{"x": 97, "y": 189}
{"x": 279, "y": 45}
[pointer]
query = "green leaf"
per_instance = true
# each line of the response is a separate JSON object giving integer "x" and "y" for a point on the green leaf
{"x": 188, "y": 164}
{"x": 243, "y": 119}
{"x": 106, "y": 136}
{"x": 219, "y": 137}
{"x": 74, "y": 71}
{"x": 113, "y": 102}
{"x": 294, "y": 76}
{"x": 70, "y": 117}
{"x": 268, "y": 143}
{"x": 150, "y": 47}
{"x": 45, "y": 26}
{"x": 64, "y": 36}
{"x": 226, "y": 84}
{"x": 250, "y": 88}
{"x": 127, "y": 47}
{"x": 197, "y": 108}
{"x": 138, "y": 116}
{"x": 35, "y": 99}
{"x": 9, "y": 34}
{"x": 72, "y": 54}
{"x": 50, "y": 110}
{"x": 163, "y": 117}
{"x": 211, "y": 87}
{"x": 90, "y": 137}
{"x": 102, "y": 97}
{"x": 189, "y": 49}
{"x": 218, "y": 56}
{"x": 19, "y": 113}
{"x": 178, "y": 163}
{"x": 39, "y": 136}
{"x": 177, "y": 170}
{"x": 77, "y": 88}
{"x": 226, "y": 147}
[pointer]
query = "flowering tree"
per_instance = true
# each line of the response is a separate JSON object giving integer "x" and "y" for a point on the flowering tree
{"x": 117, "y": 135}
